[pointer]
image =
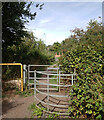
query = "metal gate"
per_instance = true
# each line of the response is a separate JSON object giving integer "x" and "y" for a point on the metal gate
{"x": 32, "y": 68}
{"x": 51, "y": 88}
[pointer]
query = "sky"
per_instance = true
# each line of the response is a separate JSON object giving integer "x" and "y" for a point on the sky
{"x": 56, "y": 20}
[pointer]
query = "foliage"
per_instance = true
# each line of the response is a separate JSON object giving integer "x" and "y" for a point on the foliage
{"x": 18, "y": 45}
{"x": 65, "y": 45}
{"x": 53, "y": 81}
{"x": 53, "y": 116}
{"x": 29, "y": 51}
{"x": 14, "y": 17}
{"x": 55, "y": 47}
{"x": 87, "y": 95}
{"x": 39, "y": 112}
{"x": 25, "y": 93}
{"x": 36, "y": 111}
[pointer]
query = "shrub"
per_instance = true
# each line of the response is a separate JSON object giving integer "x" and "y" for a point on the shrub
{"x": 87, "y": 95}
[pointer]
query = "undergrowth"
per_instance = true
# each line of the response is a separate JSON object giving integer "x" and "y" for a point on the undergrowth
{"x": 25, "y": 93}
{"x": 39, "y": 112}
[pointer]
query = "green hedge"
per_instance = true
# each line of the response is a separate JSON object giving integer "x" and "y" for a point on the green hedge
{"x": 87, "y": 95}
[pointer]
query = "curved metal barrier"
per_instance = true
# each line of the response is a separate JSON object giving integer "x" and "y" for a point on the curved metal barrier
{"x": 43, "y": 79}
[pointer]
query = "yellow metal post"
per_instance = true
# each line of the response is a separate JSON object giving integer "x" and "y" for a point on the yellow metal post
{"x": 21, "y": 71}
{"x": 21, "y": 77}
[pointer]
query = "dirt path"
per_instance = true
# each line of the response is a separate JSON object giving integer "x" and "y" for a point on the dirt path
{"x": 17, "y": 107}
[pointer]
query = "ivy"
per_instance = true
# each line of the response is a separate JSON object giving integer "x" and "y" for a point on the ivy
{"x": 87, "y": 98}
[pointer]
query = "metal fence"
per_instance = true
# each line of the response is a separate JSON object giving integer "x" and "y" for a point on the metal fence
{"x": 48, "y": 92}
{"x": 51, "y": 88}
{"x": 30, "y": 73}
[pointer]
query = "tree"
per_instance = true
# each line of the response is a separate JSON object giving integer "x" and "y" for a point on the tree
{"x": 87, "y": 94}
{"x": 55, "y": 47}
{"x": 14, "y": 17}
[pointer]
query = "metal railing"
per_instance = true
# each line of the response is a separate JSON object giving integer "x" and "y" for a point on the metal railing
{"x": 48, "y": 93}
{"x": 31, "y": 71}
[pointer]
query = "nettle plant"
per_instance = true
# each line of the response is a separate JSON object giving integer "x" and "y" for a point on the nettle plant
{"x": 87, "y": 94}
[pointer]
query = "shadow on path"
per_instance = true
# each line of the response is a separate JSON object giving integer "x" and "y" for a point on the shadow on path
{"x": 17, "y": 107}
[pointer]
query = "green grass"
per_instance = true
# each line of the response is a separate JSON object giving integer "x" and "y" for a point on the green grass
{"x": 36, "y": 111}
{"x": 31, "y": 81}
{"x": 39, "y": 112}
{"x": 25, "y": 93}
{"x": 53, "y": 81}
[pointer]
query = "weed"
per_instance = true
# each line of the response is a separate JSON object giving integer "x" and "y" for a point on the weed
{"x": 25, "y": 93}
{"x": 39, "y": 112}
{"x": 36, "y": 111}
{"x": 53, "y": 116}
{"x": 53, "y": 81}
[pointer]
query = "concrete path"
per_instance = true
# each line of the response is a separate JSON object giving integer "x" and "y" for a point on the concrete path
{"x": 17, "y": 107}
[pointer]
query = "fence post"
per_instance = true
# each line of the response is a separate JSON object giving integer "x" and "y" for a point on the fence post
{"x": 59, "y": 81}
{"x": 57, "y": 78}
{"x": 47, "y": 92}
{"x": 28, "y": 76}
{"x": 24, "y": 74}
{"x": 35, "y": 83}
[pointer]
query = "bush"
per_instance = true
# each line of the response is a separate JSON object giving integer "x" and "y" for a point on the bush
{"x": 87, "y": 98}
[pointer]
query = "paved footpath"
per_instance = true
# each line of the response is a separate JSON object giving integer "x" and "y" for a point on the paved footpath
{"x": 17, "y": 107}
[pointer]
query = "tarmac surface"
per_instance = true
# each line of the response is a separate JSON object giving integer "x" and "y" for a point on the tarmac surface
{"x": 17, "y": 107}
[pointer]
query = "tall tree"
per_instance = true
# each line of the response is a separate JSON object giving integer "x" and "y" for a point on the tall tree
{"x": 87, "y": 98}
{"x": 14, "y": 17}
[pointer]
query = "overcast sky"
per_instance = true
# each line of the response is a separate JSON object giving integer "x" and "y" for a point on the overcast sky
{"x": 54, "y": 22}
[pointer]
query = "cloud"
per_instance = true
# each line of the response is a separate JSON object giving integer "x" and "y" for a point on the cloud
{"x": 44, "y": 21}
{"x": 57, "y": 19}
{"x": 38, "y": 32}
{"x": 50, "y": 37}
